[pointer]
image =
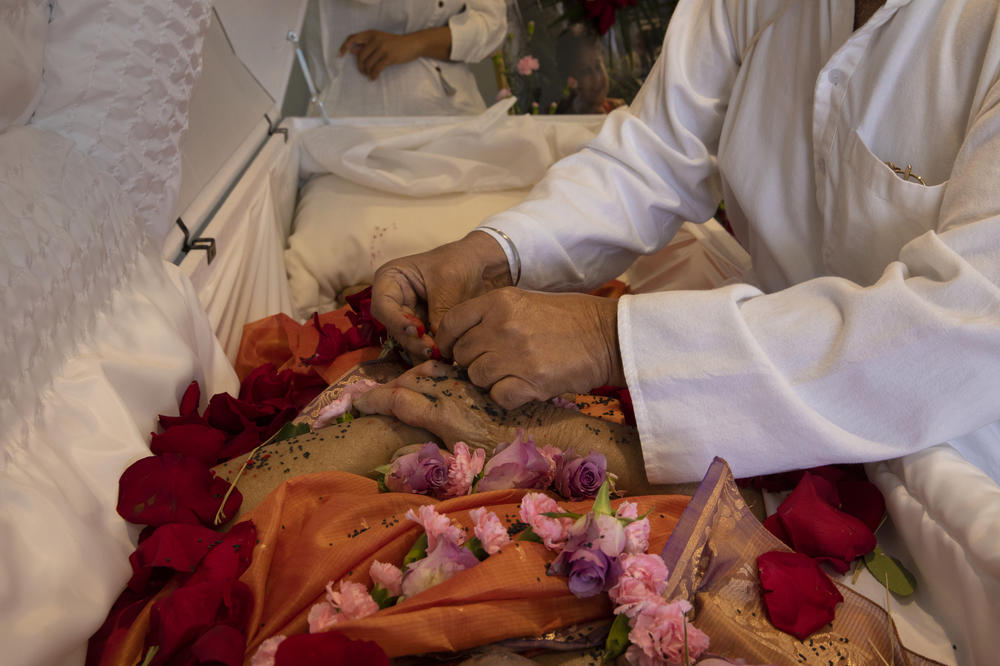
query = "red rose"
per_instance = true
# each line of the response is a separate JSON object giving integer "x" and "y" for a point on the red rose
{"x": 799, "y": 597}
{"x": 818, "y": 529}
{"x": 331, "y": 648}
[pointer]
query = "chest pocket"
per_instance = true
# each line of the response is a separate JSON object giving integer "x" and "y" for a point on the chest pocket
{"x": 874, "y": 212}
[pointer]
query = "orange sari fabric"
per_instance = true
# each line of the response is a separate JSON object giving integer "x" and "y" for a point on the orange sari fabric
{"x": 281, "y": 340}
{"x": 332, "y": 525}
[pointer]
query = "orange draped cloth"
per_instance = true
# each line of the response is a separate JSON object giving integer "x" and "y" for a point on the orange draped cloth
{"x": 332, "y": 525}
{"x": 282, "y": 341}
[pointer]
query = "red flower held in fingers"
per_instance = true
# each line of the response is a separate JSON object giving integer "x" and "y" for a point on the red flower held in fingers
{"x": 799, "y": 597}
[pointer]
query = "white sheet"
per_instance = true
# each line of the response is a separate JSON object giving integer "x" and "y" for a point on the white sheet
{"x": 948, "y": 513}
{"x": 99, "y": 335}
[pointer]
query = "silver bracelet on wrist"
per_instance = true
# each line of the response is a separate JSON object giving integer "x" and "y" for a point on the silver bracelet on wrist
{"x": 516, "y": 274}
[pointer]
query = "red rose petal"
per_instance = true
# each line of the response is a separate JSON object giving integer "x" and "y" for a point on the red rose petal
{"x": 232, "y": 415}
{"x": 220, "y": 645}
{"x": 175, "y": 546}
{"x": 230, "y": 557}
{"x": 190, "y": 399}
{"x": 863, "y": 500}
{"x": 817, "y": 529}
{"x": 331, "y": 647}
{"x": 773, "y": 525}
{"x": 116, "y": 626}
{"x": 163, "y": 489}
{"x": 195, "y": 441}
{"x": 179, "y": 618}
{"x": 799, "y": 597}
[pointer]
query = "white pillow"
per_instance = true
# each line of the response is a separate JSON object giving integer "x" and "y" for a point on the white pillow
{"x": 22, "y": 47}
{"x": 344, "y": 231}
{"x": 118, "y": 79}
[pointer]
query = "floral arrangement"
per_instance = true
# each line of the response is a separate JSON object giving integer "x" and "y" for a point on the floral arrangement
{"x": 523, "y": 79}
{"x": 600, "y": 551}
{"x": 178, "y": 499}
{"x": 515, "y": 464}
{"x": 830, "y": 517}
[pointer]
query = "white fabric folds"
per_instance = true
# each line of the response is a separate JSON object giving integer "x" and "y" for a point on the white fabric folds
{"x": 484, "y": 153}
{"x": 98, "y": 336}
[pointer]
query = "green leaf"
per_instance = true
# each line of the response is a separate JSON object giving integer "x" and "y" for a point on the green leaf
{"x": 381, "y": 596}
{"x": 529, "y": 535}
{"x": 890, "y": 572}
{"x": 290, "y": 430}
{"x": 476, "y": 546}
{"x": 345, "y": 417}
{"x": 617, "y": 641}
{"x": 563, "y": 514}
{"x": 602, "y": 503}
{"x": 418, "y": 551}
{"x": 150, "y": 654}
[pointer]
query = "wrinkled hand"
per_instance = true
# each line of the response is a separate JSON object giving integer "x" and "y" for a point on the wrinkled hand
{"x": 524, "y": 345}
{"x": 375, "y": 50}
{"x": 434, "y": 397}
{"x": 419, "y": 289}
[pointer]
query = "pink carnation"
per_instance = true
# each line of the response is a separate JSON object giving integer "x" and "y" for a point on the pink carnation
{"x": 437, "y": 526}
{"x": 627, "y": 510}
{"x": 527, "y": 65}
{"x": 637, "y": 536}
{"x": 387, "y": 575}
{"x": 265, "y": 654}
{"x": 343, "y": 404}
{"x": 658, "y": 632}
{"x": 350, "y": 602}
{"x": 463, "y": 467}
{"x": 552, "y": 531}
{"x": 553, "y": 456}
{"x": 322, "y": 616}
{"x": 641, "y": 578}
{"x": 488, "y": 529}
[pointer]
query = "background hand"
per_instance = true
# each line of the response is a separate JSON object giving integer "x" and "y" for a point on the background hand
{"x": 409, "y": 293}
{"x": 375, "y": 50}
{"x": 524, "y": 345}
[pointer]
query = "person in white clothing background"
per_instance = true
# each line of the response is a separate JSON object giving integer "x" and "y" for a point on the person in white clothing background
{"x": 401, "y": 57}
{"x": 857, "y": 149}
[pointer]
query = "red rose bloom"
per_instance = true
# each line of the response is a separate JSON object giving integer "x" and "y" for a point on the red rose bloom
{"x": 799, "y": 597}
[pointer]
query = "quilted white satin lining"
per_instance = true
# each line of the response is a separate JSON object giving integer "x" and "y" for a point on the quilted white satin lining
{"x": 23, "y": 24}
{"x": 67, "y": 239}
{"x": 118, "y": 80}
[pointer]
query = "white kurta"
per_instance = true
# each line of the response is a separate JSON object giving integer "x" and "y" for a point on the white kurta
{"x": 874, "y": 327}
{"x": 424, "y": 86}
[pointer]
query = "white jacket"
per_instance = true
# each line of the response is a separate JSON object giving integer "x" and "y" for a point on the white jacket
{"x": 874, "y": 327}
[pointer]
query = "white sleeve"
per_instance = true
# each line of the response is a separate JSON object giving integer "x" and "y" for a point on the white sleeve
{"x": 651, "y": 168}
{"x": 479, "y": 30}
{"x": 827, "y": 371}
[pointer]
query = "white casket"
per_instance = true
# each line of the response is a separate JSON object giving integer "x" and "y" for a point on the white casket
{"x": 111, "y": 309}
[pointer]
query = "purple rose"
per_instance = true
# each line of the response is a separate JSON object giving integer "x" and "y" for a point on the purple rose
{"x": 592, "y": 531}
{"x": 580, "y": 478}
{"x": 588, "y": 568}
{"x": 516, "y": 465}
{"x": 424, "y": 472}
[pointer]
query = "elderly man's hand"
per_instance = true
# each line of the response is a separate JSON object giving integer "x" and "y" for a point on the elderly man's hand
{"x": 421, "y": 288}
{"x": 524, "y": 345}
